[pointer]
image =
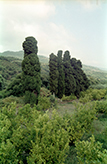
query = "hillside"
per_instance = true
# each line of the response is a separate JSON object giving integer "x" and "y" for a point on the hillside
{"x": 10, "y": 66}
{"x": 96, "y": 73}
{"x": 20, "y": 54}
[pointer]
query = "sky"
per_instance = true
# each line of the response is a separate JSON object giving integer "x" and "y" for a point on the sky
{"x": 79, "y": 26}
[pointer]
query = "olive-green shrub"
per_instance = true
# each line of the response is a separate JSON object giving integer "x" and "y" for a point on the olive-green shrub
{"x": 90, "y": 152}
{"x": 81, "y": 121}
{"x": 28, "y": 136}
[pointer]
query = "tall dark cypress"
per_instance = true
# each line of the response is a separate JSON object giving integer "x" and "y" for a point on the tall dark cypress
{"x": 61, "y": 85}
{"x": 53, "y": 74}
{"x": 82, "y": 82}
{"x": 31, "y": 80}
{"x": 70, "y": 84}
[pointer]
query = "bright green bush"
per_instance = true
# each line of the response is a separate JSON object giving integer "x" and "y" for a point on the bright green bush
{"x": 50, "y": 142}
{"x": 86, "y": 98}
{"x": 68, "y": 98}
{"x": 90, "y": 152}
{"x": 101, "y": 106}
{"x": 92, "y": 94}
{"x": 28, "y": 136}
{"x": 8, "y": 153}
{"x": 43, "y": 103}
{"x": 81, "y": 121}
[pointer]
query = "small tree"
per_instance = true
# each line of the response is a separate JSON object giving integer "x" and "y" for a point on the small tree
{"x": 61, "y": 85}
{"x": 53, "y": 74}
{"x": 31, "y": 80}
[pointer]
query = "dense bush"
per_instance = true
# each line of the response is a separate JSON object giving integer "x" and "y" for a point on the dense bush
{"x": 45, "y": 92}
{"x": 92, "y": 94}
{"x": 81, "y": 121}
{"x": 91, "y": 152}
{"x": 68, "y": 98}
{"x": 28, "y": 136}
{"x": 101, "y": 106}
{"x": 43, "y": 103}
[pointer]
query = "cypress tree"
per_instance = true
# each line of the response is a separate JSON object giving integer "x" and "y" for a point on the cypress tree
{"x": 31, "y": 80}
{"x": 70, "y": 84}
{"x": 53, "y": 74}
{"x": 61, "y": 86}
{"x": 82, "y": 82}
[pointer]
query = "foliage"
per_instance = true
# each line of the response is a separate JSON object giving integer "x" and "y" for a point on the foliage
{"x": 95, "y": 75}
{"x": 31, "y": 80}
{"x": 43, "y": 103}
{"x": 81, "y": 121}
{"x": 45, "y": 92}
{"x": 45, "y": 75}
{"x": 71, "y": 156}
{"x": 15, "y": 88}
{"x": 53, "y": 74}
{"x": 30, "y": 97}
{"x": 90, "y": 152}
{"x": 101, "y": 106}
{"x": 68, "y": 98}
{"x": 82, "y": 82}
{"x": 70, "y": 84}
{"x": 2, "y": 83}
{"x": 8, "y": 100}
{"x": 9, "y": 68}
{"x": 61, "y": 85}
{"x": 28, "y": 136}
{"x": 51, "y": 143}
{"x": 92, "y": 94}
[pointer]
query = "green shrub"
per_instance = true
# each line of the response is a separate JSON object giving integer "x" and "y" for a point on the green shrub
{"x": 73, "y": 97}
{"x": 101, "y": 106}
{"x": 81, "y": 121}
{"x": 86, "y": 98}
{"x": 43, "y": 103}
{"x": 92, "y": 94}
{"x": 68, "y": 98}
{"x": 30, "y": 98}
{"x": 65, "y": 98}
{"x": 45, "y": 92}
{"x": 28, "y": 136}
{"x": 52, "y": 99}
{"x": 90, "y": 152}
{"x": 51, "y": 141}
{"x": 8, "y": 100}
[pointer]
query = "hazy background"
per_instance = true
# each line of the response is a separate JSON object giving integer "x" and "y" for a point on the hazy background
{"x": 79, "y": 26}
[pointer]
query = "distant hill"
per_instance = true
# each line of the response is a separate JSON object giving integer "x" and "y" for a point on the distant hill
{"x": 20, "y": 54}
{"x": 96, "y": 73}
{"x": 10, "y": 66}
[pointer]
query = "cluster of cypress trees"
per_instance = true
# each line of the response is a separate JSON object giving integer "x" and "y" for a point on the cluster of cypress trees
{"x": 66, "y": 75}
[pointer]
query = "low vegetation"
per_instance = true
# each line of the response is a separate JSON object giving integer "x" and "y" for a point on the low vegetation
{"x": 63, "y": 125}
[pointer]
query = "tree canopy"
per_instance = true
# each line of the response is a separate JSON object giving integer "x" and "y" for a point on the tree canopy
{"x": 31, "y": 79}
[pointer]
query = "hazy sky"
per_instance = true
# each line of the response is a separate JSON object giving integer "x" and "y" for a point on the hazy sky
{"x": 79, "y": 26}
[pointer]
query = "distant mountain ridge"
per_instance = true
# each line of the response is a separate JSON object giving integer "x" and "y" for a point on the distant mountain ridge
{"x": 20, "y": 54}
